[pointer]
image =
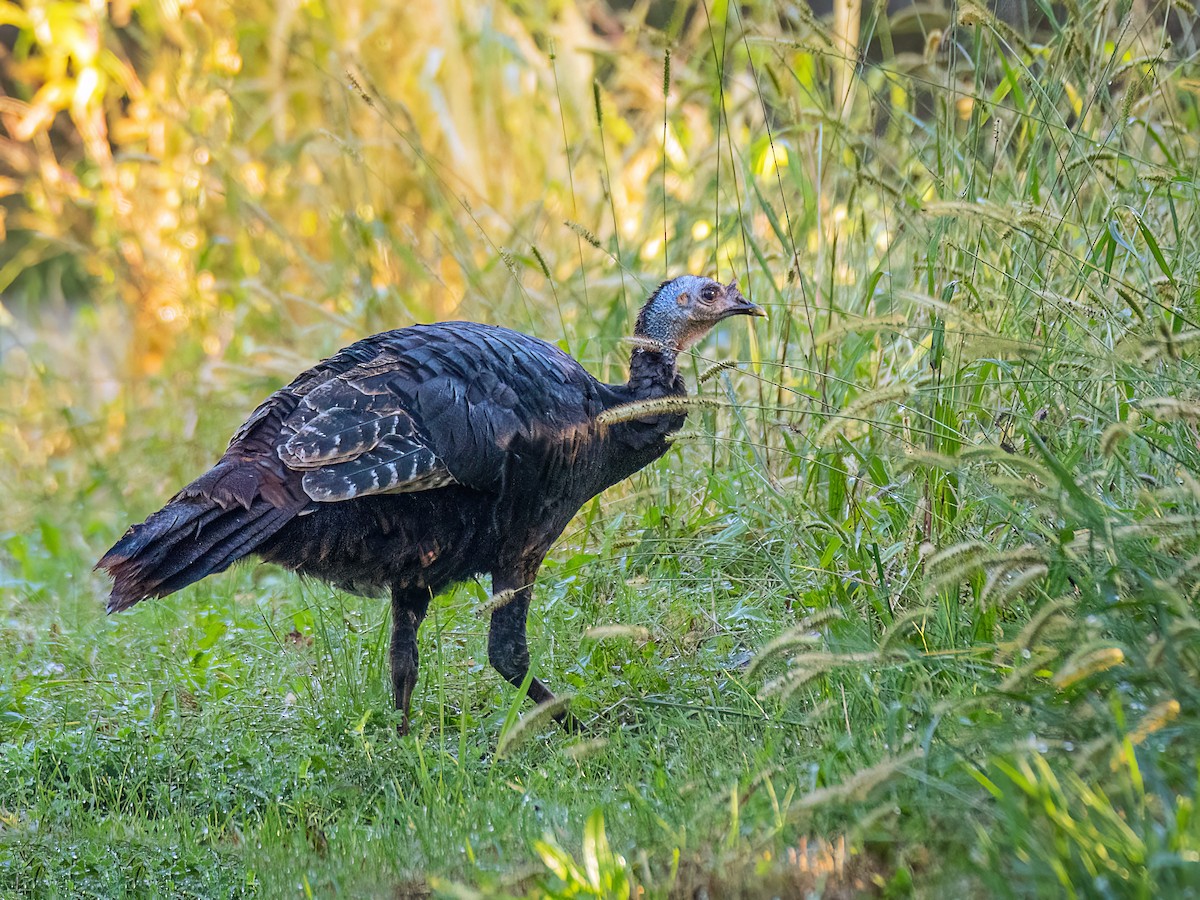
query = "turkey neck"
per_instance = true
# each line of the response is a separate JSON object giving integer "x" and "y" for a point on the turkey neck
{"x": 630, "y": 445}
{"x": 652, "y": 374}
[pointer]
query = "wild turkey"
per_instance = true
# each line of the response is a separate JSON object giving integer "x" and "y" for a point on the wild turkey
{"x": 417, "y": 458}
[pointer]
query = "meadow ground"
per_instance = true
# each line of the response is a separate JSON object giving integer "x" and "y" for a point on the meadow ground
{"x": 909, "y": 609}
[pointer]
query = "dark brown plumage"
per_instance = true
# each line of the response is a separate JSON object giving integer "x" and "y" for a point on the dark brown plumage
{"x": 418, "y": 458}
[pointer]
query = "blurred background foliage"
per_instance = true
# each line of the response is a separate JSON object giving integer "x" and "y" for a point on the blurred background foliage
{"x": 197, "y": 185}
{"x": 952, "y": 503}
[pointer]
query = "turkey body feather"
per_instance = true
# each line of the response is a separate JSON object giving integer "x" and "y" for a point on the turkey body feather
{"x": 413, "y": 459}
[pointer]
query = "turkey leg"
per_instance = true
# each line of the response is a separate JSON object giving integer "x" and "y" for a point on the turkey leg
{"x": 408, "y": 610}
{"x": 508, "y": 651}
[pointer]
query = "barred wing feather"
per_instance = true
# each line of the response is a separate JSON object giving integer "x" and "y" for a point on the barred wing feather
{"x": 348, "y": 443}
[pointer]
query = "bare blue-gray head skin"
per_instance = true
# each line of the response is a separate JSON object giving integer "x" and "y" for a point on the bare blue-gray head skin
{"x": 684, "y": 309}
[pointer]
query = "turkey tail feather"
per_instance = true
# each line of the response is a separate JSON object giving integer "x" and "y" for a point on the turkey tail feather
{"x": 189, "y": 538}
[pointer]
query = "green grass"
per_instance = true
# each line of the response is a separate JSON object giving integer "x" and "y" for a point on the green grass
{"x": 241, "y": 725}
{"x": 911, "y": 610}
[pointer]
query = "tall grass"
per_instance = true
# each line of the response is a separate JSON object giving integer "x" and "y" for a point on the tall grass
{"x": 917, "y": 581}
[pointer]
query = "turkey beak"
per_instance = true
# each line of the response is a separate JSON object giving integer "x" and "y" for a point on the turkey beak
{"x": 737, "y": 305}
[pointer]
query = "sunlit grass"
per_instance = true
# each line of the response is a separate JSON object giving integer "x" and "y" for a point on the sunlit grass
{"x": 910, "y": 605}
